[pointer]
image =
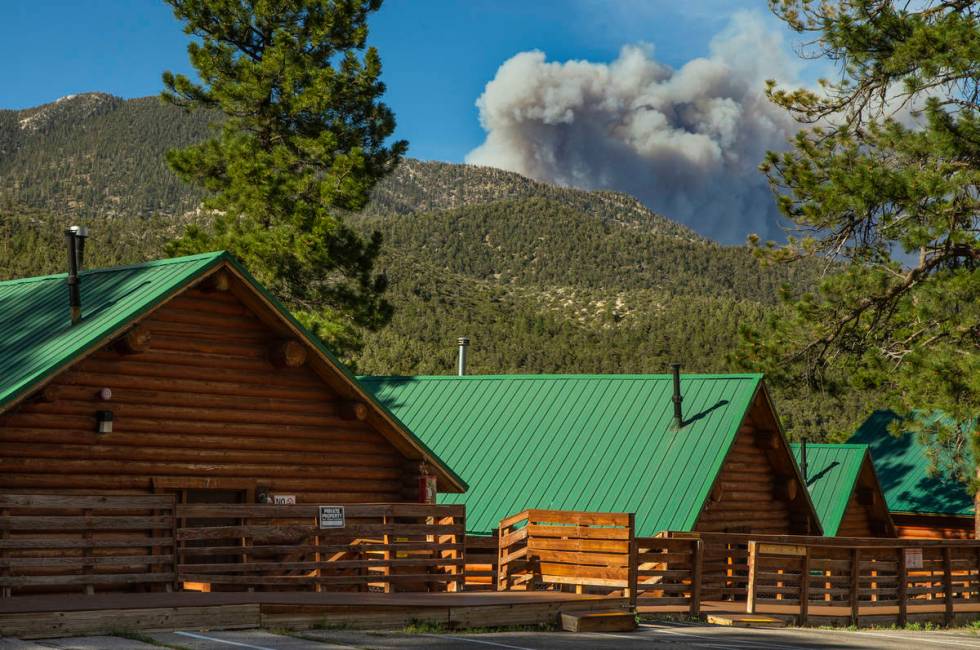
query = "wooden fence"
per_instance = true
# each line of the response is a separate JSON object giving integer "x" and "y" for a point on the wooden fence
{"x": 580, "y": 550}
{"x": 84, "y": 543}
{"x": 65, "y": 543}
{"x": 481, "y": 563}
{"x": 894, "y": 579}
{"x": 669, "y": 574}
{"x": 725, "y": 563}
{"x": 383, "y": 547}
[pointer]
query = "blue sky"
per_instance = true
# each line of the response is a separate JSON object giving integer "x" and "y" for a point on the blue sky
{"x": 438, "y": 54}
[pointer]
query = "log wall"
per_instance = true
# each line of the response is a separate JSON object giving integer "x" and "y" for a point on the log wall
{"x": 203, "y": 407}
{"x": 756, "y": 490}
{"x": 857, "y": 521}
{"x": 913, "y": 526}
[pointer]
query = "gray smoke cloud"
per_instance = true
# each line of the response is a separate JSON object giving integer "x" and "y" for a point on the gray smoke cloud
{"x": 686, "y": 142}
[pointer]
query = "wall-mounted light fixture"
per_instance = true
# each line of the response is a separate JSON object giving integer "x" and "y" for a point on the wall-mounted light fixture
{"x": 104, "y": 418}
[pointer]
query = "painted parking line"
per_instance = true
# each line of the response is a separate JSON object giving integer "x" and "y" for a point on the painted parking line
{"x": 479, "y": 641}
{"x": 203, "y": 637}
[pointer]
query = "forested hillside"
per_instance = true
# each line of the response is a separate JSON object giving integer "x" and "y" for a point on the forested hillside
{"x": 541, "y": 278}
{"x": 97, "y": 155}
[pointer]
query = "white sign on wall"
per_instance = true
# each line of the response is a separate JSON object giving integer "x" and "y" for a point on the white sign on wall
{"x": 332, "y": 517}
{"x": 284, "y": 499}
{"x": 913, "y": 558}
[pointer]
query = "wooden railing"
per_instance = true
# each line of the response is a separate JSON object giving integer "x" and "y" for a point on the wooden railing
{"x": 581, "y": 550}
{"x": 725, "y": 563}
{"x": 85, "y": 543}
{"x": 481, "y": 563}
{"x": 896, "y": 578}
{"x": 383, "y": 547}
{"x": 669, "y": 574}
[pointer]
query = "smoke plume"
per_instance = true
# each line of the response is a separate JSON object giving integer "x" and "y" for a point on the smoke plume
{"x": 686, "y": 142}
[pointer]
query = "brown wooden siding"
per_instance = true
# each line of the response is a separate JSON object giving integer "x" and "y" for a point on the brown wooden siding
{"x": 204, "y": 407}
{"x": 750, "y": 494}
{"x": 857, "y": 520}
{"x": 933, "y": 526}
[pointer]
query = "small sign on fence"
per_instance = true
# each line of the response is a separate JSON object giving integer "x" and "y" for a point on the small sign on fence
{"x": 332, "y": 517}
{"x": 284, "y": 499}
{"x": 782, "y": 549}
{"x": 913, "y": 558}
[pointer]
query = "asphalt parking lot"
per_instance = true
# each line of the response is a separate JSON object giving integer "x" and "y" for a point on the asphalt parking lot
{"x": 650, "y": 635}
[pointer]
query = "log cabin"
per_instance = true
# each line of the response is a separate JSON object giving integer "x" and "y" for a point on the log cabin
{"x": 186, "y": 376}
{"x": 708, "y": 456}
{"x": 922, "y": 504}
{"x": 842, "y": 482}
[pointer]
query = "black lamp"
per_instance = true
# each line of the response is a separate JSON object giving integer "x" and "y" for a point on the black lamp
{"x": 104, "y": 418}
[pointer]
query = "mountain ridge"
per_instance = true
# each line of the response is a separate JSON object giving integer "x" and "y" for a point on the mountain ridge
{"x": 542, "y": 278}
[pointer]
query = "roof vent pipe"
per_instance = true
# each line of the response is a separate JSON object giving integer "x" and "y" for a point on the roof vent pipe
{"x": 678, "y": 398}
{"x": 803, "y": 459}
{"x": 75, "y": 239}
{"x": 464, "y": 343}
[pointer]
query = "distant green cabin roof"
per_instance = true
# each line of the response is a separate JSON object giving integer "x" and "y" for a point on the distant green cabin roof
{"x": 37, "y": 339}
{"x": 575, "y": 442}
{"x": 832, "y": 474}
{"x": 903, "y": 471}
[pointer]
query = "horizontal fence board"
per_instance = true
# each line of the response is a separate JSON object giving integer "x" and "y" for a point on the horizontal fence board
{"x": 81, "y": 562}
{"x": 78, "y": 502}
{"x": 577, "y": 531}
{"x": 81, "y": 522}
{"x": 323, "y": 580}
{"x": 351, "y": 511}
{"x": 95, "y": 578}
{"x": 566, "y": 517}
{"x": 306, "y": 531}
{"x": 368, "y": 547}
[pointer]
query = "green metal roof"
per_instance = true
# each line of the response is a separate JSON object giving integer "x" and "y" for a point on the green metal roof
{"x": 832, "y": 472}
{"x": 37, "y": 338}
{"x": 903, "y": 471}
{"x": 576, "y": 442}
{"x": 37, "y": 335}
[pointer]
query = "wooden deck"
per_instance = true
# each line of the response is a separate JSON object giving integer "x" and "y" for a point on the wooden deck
{"x": 933, "y": 612}
{"x": 33, "y": 617}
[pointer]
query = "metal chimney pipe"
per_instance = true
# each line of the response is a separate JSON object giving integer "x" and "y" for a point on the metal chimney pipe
{"x": 803, "y": 467}
{"x": 81, "y": 234}
{"x": 678, "y": 398}
{"x": 72, "y": 237}
{"x": 464, "y": 343}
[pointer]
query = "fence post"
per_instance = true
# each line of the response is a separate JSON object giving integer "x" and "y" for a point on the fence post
{"x": 976, "y": 557}
{"x": 948, "y": 584}
{"x": 634, "y": 561}
{"x": 175, "y": 545}
{"x": 455, "y": 555}
{"x": 387, "y": 520}
{"x": 503, "y": 578}
{"x": 697, "y": 561}
{"x": 805, "y": 586}
{"x": 750, "y": 596}
{"x": 903, "y": 603}
{"x": 855, "y": 582}
{"x": 318, "y": 558}
{"x": 5, "y": 591}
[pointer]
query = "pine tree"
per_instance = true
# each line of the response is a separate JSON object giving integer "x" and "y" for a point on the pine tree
{"x": 302, "y": 140}
{"x": 883, "y": 184}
